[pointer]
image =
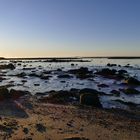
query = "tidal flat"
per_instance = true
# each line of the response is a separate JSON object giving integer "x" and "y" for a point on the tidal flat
{"x": 70, "y": 99}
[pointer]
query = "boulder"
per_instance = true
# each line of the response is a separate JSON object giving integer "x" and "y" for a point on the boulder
{"x": 18, "y": 93}
{"x": 59, "y": 97}
{"x": 90, "y": 99}
{"x": 59, "y": 69}
{"x": 106, "y": 72}
{"x": 111, "y": 73}
{"x": 81, "y": 73}
{"x": 121, "y": 72}
{"x": 4, "y": 93}
{"x": 132, "y": 81}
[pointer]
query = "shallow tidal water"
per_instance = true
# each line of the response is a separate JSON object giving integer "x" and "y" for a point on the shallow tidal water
{"x": 36, "y": 84}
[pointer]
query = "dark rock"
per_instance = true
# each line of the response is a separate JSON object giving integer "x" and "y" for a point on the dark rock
{"x": 28, "y": 68}
{"x": 111, "y": 65}
{"x": 132, "y": 81}
{"x": 115, "y": 92}
{"x": 47, "y": 72}
{"x": 24, "y": 66}
{"x": 130, "y": 91}
{"x": 24, "y": 81}
{"x": 74, "y": 90}
{"x": 63, "y": 81}
{"x": 72, "y": 64}
{"x": 113, "y": 74}
{"x": 18, "y": 93}
{"x": 81, "y": 73}
{"x": 90, "y": 99}
{"x": 128, "y": 66}
{"x": 36, "y": 85}
{"x": 9, "y": 66}
{"x": 40, "y": 94}
{"x": 64, "y": 76}
{"x": 58, "y": 97}
{"x": 25, "y": 130}
{"x": 69, "y": 125}
{"x": 103, "y": 86}
{"x": 1, "y": 79}
{"x": 106, "y": 72}
{"x": 33, "y": 75}
{"x": 59, "y": 69}
{"x": 19, "y": 64}
{"x": 121, "y": 72}
{"x": 41, "y": 128}
{"x": 4, "y": 94}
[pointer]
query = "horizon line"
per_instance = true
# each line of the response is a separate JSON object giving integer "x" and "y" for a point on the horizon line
{"x": 72, "y": 57}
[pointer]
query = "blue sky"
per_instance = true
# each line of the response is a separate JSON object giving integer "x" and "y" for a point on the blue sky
{"x": 33, "y": 28}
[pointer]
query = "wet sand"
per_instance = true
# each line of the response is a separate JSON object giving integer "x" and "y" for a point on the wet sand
{"x": 56, "y": 122}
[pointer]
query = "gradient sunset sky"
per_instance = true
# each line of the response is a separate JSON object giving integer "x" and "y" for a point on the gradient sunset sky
{"x": 44, "y": 28}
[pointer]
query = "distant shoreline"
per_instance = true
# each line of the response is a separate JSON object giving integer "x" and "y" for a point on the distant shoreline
{"x": 70, "y": 58}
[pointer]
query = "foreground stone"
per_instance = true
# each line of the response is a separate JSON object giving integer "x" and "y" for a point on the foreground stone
{"x": 4, "y": 93}
{"x": 84, "y": 97}
{"x": 90, "y": 99}
{"x": 12, "y": 94}
{"x": 18, "y": 93}
{"x": 59, "y": 97}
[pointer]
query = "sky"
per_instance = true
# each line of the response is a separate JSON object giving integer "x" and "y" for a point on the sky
{"x": 51, "y": 28}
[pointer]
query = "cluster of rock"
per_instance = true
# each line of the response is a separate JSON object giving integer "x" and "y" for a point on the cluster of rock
{"x": 12, "y": 94}
{"x": 81, "y": 73}
{"x": 85, "y": 96}
{"x": 8, "y": 66}
{"x": 112, "y": 73}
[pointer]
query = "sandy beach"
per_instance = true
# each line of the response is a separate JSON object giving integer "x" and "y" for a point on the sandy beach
{"x": 67, "y": 122}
